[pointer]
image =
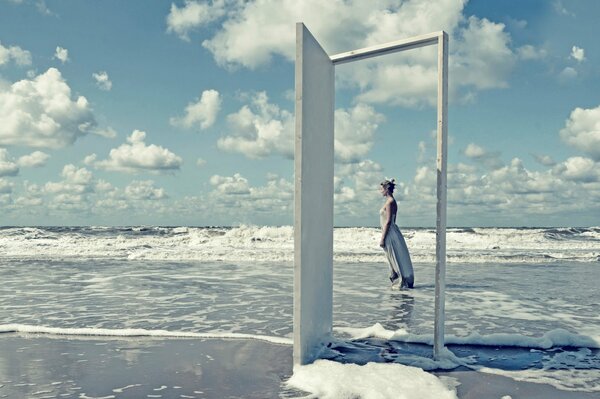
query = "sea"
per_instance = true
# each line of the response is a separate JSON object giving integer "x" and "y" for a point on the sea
{"x": 530, "y": 288}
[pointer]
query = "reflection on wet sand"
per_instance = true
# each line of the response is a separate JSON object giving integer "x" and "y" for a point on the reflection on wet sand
{"x": 401, "y": 313}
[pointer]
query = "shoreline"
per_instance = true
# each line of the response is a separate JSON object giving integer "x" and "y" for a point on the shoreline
{"x": 41, "y": 366}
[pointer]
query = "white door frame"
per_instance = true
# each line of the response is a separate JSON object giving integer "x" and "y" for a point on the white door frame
{"x": 313, "y": 195}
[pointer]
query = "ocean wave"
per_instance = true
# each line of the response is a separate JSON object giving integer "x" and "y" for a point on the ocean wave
{"x": 276, "y": 243}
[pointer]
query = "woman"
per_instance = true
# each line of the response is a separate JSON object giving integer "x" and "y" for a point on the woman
{"x": 392, "y": 241}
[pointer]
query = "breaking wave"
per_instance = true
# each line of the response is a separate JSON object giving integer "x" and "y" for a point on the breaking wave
{"x": 276, "y": 243}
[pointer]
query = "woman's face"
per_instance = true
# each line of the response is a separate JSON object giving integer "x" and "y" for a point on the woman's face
{"x": 383, "y": 190}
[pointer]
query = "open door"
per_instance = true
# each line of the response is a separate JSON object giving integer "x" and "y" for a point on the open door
{"x": 313, "y": 199}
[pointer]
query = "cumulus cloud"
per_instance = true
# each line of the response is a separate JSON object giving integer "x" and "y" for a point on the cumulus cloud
{"x": 40, "y": 5}
{"x": 253, "y": 32}
{"x": 578, "y": 169}
{"x": 200, "y": 162}
{"x": 356, "y": 192}
{"x": 74, "y": 184}
{"x": 72, "y": 194}
{"x": 237, "y": 198}
{"x": 365, "y": 174}
{"x": 424, "y": 176}
{"x": 345, "y": 195}
{"x": 560, "y": 8}
{"x": 8, "y": 167}
{"x": 73, "y": 175}
{"x": 544, "y": 160}
{"x": 34, "y": 160}
{"x": 421, "y": 152}
{"x": 108, "y": 132}
{"x": 40, "y": 113}
{"x": 578, "y": 54}
{"x": 567, "y": 74}
{"x": 474, "y": 151}
{"x": 582, "y": 131}
{"x": 14, "y": 53}
{"x": 6, "y": 187}
{"x": 529, "y": 52}
{"x": 103, "y": 186}
{"x": 277, "y": 195}
{"x": 144, "y": 190}
{"x": 78, "y": 191}
{"x": 516, "y": 179}
{"x": 483, "y": 57}
{"x": 481, "y": 155}
{"x": 192, "y": 15}
{"x": 61, "y": 54}
{"x": 27, "y": 200}
{"x": 506, "y": 192}
{"x": 202, "y": 113}
{"x": 135, "y": 156}
{"x": 236, "y": 184}
{"x": 259, "y": 129}
{"x": 354, "y": 130}
{"x": 102, "y": 80}
{"x": 89, "y": 160}
{"x": 500, "y": 194}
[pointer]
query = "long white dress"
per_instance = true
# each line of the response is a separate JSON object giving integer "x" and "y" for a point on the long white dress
{"x": 397, "y": 254}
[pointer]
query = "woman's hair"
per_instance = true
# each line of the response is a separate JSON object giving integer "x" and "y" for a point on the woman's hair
{"x": 389, "y": 184}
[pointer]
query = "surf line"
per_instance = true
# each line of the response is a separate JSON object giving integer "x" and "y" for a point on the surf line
{"x": 136, "y": 332}
{"x": 555, "y": 338}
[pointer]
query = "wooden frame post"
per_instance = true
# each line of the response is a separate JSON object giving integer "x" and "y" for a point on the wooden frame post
{"x": 313, "y": 200}
{"x": 442, "y": 188}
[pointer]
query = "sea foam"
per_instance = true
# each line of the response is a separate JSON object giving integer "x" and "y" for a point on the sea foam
{"x": 271, "y": 243}
{"x": 555, "y": 338}
{"x": 134, "y": 332}
{"x": 331, "y": 380}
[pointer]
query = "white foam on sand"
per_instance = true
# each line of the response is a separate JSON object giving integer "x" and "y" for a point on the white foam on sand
{"x": 569, "y": 371}
{"x": 325, "y": 379}
{"x": 135, "y": 332}
{"x": 555, "y": 338}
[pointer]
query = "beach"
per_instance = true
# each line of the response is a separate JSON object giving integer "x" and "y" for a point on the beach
{"x": 181, "y": 312}
{"x": 196, "y": 196}
{"x": 51, "y": 367}
{"x": 41, "y": 366}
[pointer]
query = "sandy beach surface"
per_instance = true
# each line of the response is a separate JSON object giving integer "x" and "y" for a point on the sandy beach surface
{"x": 46, "y": 366}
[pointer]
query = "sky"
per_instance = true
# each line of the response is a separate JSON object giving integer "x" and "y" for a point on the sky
{"x": 182, "y": 112}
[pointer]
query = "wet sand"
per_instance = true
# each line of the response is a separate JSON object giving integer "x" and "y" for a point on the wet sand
{"x": 39, "y": 366}
{"x": 44, "y": 366}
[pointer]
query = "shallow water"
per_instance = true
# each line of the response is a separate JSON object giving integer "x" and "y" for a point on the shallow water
{"x": 138, "y": 283}
{"x": 256, "y": 298}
